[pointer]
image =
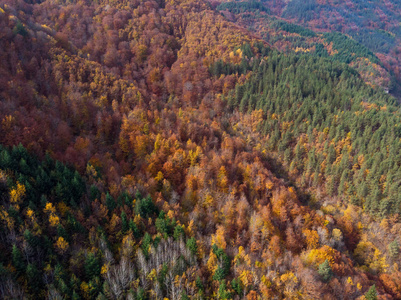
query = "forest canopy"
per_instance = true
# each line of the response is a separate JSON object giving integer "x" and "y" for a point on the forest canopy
{"x": 160, "y": 150}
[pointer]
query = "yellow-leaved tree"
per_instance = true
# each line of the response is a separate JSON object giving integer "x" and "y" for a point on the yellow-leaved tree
{"x": 61, "y": 245}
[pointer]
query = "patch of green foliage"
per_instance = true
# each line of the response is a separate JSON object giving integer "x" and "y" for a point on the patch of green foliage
{"x": 243, "y": 6}
{"x": 293, "y": 28}
{"x": 348, "y": 49}
{"x": 313, "y": 95}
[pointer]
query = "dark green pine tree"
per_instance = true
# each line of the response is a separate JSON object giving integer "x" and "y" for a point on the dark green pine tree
{"x": 94, "y": 192}
{"x": 178, "y": 232}
{"x": 325, "y": 271}
{"x": 237, "y": 286}
{"x": 18, "y": 260}
{"x": 147, "y": 239}
{"x": 75, "y": 296}
{"x": 223, "y": 293}
{"x": 223, "y": 268}
{"x": 372, "y": 293}
{"x": 363, "y": 190}
{"x": 331, "y": 156}
{"x": 5, "y": 159}
{"x": 124, "y": 222}
{"x": 287, "y": 157}
{"x": 32, "y": 240}
{"x": 33, "y": 279}
{"x": 385, "y": 207}
{"x": 135, "y": 230}
{"x": 23, "y": 167}
{"x": 192, "y": 246}
{"x": 92, "y": 266}
{"x": 343, "y": 181}
{"x": 20, "y": 29}
{"x": 110, "y": 203}
{"x": 372, "y": 201}
{"x": 330, "y": 186}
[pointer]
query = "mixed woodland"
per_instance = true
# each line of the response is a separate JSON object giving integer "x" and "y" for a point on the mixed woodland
{"x": 185, "y": 149}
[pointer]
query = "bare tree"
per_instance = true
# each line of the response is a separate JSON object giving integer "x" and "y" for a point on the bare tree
{"x": 11, "y": 290}
{"x": 119, "y": 275}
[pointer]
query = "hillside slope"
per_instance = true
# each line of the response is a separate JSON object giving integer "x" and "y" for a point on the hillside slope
{"x": 154, "y": 149}
{"x": 366, "y": 35}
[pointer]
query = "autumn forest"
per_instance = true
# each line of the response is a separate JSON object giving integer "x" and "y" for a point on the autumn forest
{"x": 194, "y": 149}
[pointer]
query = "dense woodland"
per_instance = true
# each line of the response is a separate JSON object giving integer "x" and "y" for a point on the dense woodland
{"x": 346, "y": 30}
{"x": 158, "y": 149}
